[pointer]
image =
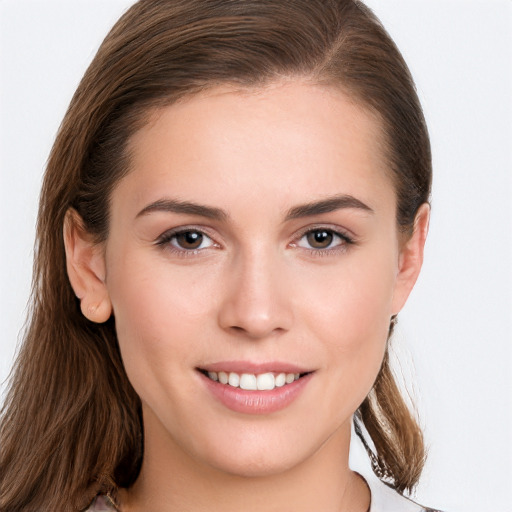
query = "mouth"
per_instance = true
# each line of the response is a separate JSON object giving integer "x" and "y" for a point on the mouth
{"x": 253, "y": 381}
{"x": 252, "y": 388}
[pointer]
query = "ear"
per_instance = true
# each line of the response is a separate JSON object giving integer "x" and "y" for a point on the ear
{"x": 85, "y": 263}
{"x": 411, "y": 259}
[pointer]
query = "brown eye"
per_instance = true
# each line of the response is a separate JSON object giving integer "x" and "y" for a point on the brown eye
{"x": 190, "y": 240}
{"x": 320, "y": 238}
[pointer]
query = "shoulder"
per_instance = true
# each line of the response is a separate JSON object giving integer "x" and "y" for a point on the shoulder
{"x": 386, "y": 499}
{"x": 101, "y": 504}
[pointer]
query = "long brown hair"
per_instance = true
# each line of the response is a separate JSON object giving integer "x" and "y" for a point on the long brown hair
{"x": 71, "y": 423}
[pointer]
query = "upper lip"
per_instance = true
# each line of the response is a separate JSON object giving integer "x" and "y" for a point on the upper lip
{"x": 254, "y": 367}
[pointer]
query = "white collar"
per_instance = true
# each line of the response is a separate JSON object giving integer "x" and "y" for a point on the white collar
{"x": 385, "y": 499}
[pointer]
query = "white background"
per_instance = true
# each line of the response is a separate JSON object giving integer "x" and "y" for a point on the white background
{"x": 455, "y": 335}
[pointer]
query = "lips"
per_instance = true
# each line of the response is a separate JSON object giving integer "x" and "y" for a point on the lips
{"x": 255, "y": 388}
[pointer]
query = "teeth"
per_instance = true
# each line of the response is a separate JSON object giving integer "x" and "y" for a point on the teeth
{"x": 248, "y": 381}
{"x": 280, "y": 380}
{"x": 265, "y": 381}
{"x": 290, "y": 377}
{"x": 252, "y": 382}
{"x": 234, "y": 379}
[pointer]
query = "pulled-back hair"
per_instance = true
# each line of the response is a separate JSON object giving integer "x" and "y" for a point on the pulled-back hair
{"x": 71, "y": 424}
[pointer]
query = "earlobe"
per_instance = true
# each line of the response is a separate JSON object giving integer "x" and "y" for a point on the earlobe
{"x": 411, "y": 259}
{"x": 85, "y": 263}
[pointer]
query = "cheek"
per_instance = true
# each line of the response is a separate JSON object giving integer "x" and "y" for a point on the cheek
{"x": 351, "y": 320}
{"x": 151, "y": 295}
{"x": 161, "y": 314}
{"x": 166, "y": 316}
{"x": 352, "y": 303}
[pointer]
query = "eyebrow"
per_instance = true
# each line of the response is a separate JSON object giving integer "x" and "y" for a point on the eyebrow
{"x": 184, "y": 207}
{"x": 330, "y": 204}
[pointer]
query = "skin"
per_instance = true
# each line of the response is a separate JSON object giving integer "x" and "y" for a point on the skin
{"x": 255, "y": 290}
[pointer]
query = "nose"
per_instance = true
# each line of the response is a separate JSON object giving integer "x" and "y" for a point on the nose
{"x": 256, "y": 303}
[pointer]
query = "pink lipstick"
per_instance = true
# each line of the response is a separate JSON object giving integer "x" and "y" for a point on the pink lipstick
{"x": 251, "y": 388}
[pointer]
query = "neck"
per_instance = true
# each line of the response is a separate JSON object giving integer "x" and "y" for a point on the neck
{"x": 172, "y": 480}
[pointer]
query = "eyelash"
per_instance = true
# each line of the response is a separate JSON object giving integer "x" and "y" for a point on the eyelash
{"x": 164, "y": 241}
{"x": 345, "y": 241}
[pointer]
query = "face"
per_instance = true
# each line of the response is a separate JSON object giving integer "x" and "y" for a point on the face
{"x": 254, "y": 241}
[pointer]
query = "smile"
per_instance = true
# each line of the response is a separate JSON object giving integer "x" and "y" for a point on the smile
{"x": 253, "y": 382}
{"x": 255, "y": 388}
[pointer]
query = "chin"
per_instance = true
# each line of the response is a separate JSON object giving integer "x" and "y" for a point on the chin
{"x": 252, "y": 467}
{"x": 253, "y": 456}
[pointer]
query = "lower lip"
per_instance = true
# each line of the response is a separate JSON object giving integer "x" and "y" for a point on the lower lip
{"x": 256, "y": 402}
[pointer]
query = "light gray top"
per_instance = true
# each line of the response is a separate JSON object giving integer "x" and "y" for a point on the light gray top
{"x": 385, "y": 499}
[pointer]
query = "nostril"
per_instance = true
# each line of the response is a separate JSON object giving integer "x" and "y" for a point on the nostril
{"x": 256, "y": 332}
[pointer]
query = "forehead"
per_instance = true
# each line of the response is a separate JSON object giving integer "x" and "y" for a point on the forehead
{"x": 290, "y": 140}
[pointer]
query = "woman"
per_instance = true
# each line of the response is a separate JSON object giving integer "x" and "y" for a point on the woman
{"x": 233, "y": 214}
